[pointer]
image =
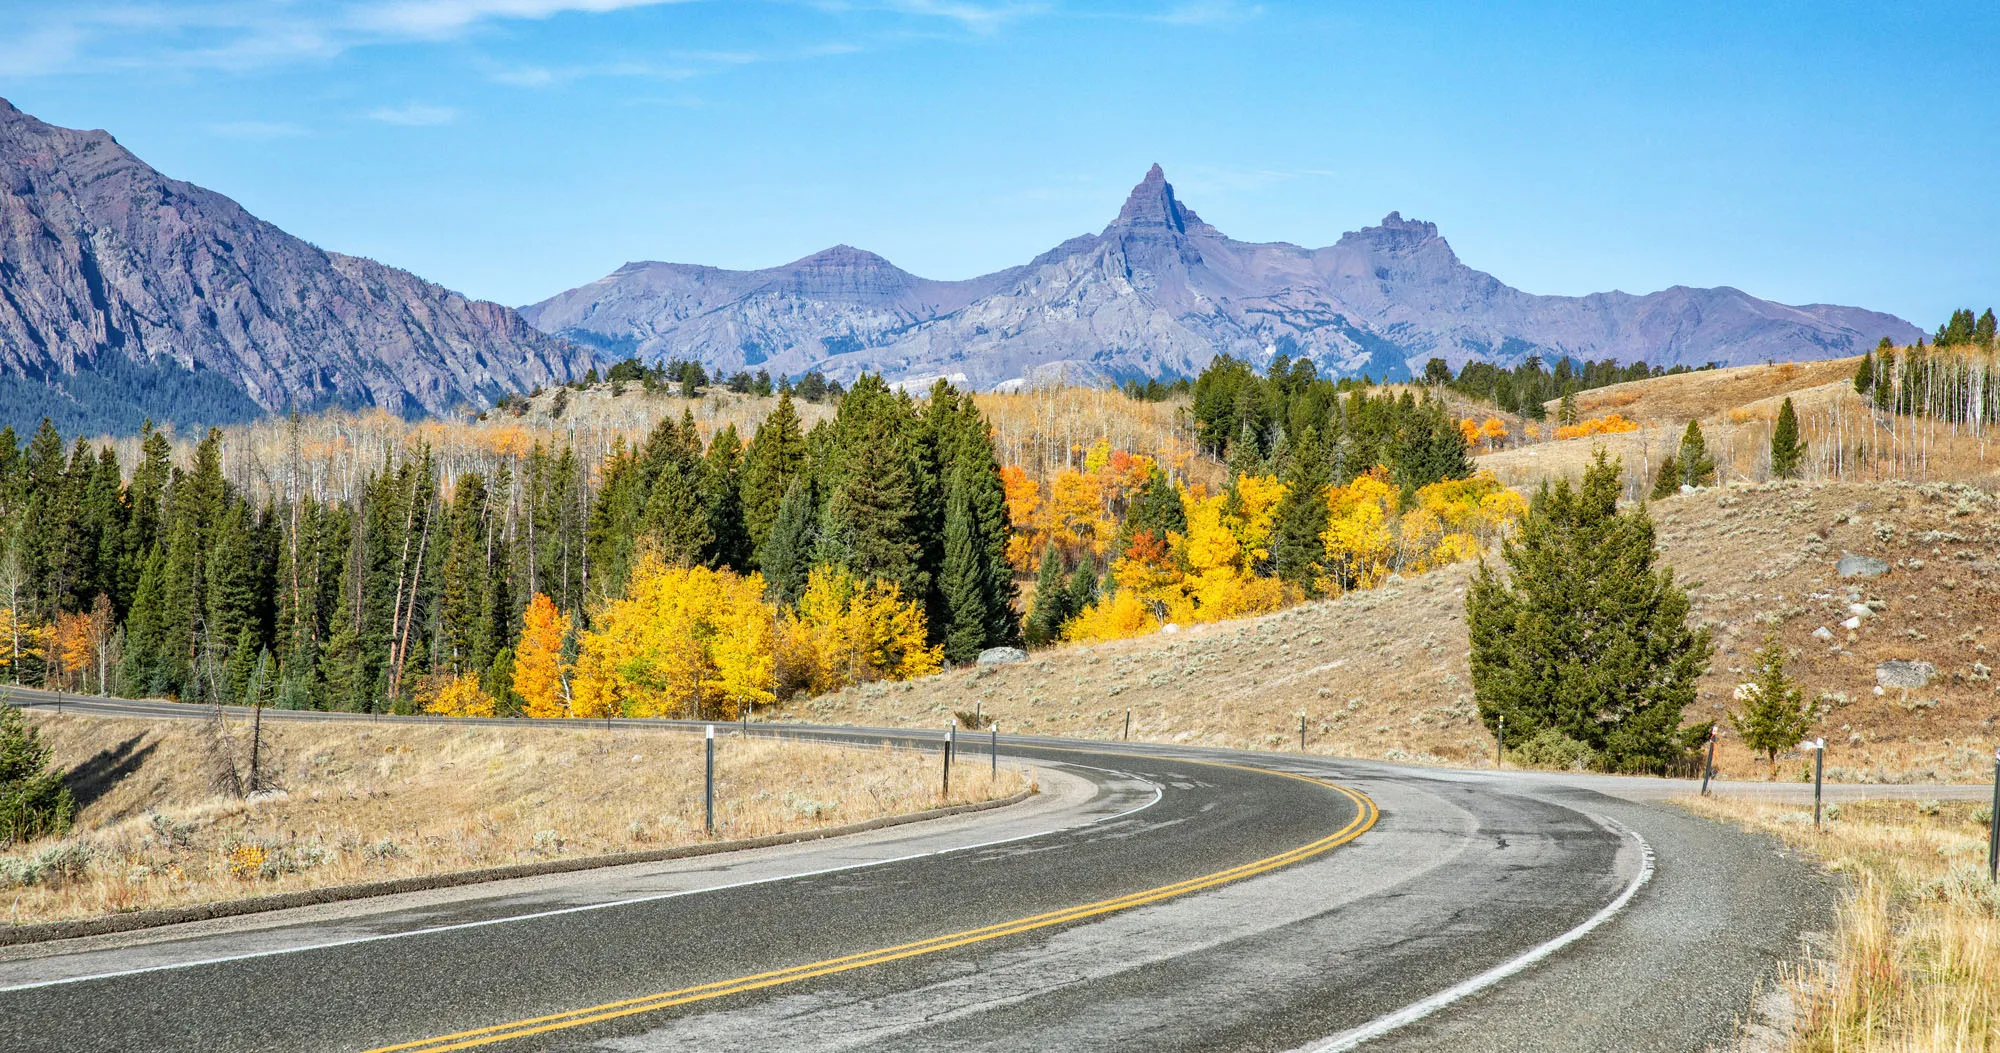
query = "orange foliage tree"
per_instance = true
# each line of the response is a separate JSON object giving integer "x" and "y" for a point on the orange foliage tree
{"x": 541, "y": 673}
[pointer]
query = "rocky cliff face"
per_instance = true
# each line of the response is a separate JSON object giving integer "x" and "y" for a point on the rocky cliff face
{"x": 125, "y": 294}
{"x": 1161, "y": 292}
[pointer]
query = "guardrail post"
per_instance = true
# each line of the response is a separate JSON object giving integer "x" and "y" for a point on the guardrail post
{"x": 1819, "y": 768}
{"x": 1302, "y": 731}
{"x": 950, "y": 740}
{"x": 1708, "y": 766}
{"x": 708, "y": 794}
{"x": 1128, "y": 723}
{"x": 1500, "y": 742}
{"x": 1993, "y": 822}
{"x": 994, "y": 750}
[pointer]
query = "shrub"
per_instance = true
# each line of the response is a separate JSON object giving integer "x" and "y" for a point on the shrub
{"x": 1553, "y": 749}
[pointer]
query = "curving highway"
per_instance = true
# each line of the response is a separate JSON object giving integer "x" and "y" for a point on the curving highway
{"x": 1151, "y": 898}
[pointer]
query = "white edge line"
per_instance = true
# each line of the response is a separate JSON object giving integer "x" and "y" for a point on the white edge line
{"x": 1410, "y": 1014}
{"x": 1158, "y": 794}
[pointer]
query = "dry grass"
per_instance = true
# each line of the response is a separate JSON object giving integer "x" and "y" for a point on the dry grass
{"x": 358, "y": 803}
{"x": 1916, "y": 961}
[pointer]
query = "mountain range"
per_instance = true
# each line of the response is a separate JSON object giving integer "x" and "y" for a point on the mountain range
{"x": 125, "y": 294}
{"x": 1160, "y": 292}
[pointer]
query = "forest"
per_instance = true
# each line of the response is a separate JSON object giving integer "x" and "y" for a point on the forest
{"x": 694, "y": 571}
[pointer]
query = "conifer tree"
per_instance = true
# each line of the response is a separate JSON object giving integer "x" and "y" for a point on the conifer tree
{"x": 866, "y": 528}
{"x": 1082, "y": 585}
{"x": 1884, "y": 387}
{"x": 1864, "y": 374}
{"x": 1585, "y": 638}
{"x": 722, "y": 498}
{"x": 1157, "y": 510}
{"x": 1051, "y": 610}
{"x": 1697, "y": 467}
{"x": 962, "y": 584}
{"x": 777, "y": 455}
{"x": 1986, "y": 329}
{"x": 1668, "y": 482}
{"x": 1300, "y": 520}
{"x": 1787, "y": 449}
{"x": 1429, "y": 447}
{"x": 34, "y": 803}
{"x": 789, "y": 546}
{"x": 1774, "y": 716}
{"x": 1566, "y": 410}
{"x": 676, "y": 512}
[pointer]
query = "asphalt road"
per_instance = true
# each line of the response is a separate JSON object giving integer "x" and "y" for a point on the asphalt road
{"x": 1154, "y": 899}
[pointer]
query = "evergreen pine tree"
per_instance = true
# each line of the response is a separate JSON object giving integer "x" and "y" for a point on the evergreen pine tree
{"x": 1297, "y": 547}
{"x": 1884, "y": 387}
{"x": 722, "y": 498}
{"x": 1668, "y": 482}
{"x": 777, "y": 454}
{"x": 676, "y": 514}
{"x": 1774, "y": 717}
{"x": 1697, "y": 467}
{"x": 1566, "y": 410}
{"x": 1157, "y": 509}
{"x": 1787, "y": 449}
{"x": 34, "y": 802}
{"x": 1986, "y": 329}
{"x": 866, "y": 528}
{"x": 962, "y": 584}
{"x": 239, "y": 667}
{"x": 788, "y": 548}
{"x": 1429, "y": 447}
{"x": 1082, "y": 585}
{"x": 1051, "y": 609}
{"x": 1585, "y": 638}
{"x": 1864, "y": 374}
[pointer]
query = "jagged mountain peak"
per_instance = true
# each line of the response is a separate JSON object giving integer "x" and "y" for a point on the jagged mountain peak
{"x": 1152, "y": 205}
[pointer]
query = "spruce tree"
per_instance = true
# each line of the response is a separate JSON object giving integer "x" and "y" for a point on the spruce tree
{"x": 1082, "y": 585}
{"x": 962, "y": 584}
{"x": 1566, "y": 409}
{"x": 1986, "y": 330}
{"x": 1775, "y": 716}
{"x": 722, "y": 498}
{"x": 1157, "y": 510}
{"x": 777, "y": 454}
{"x": 788, "y": 549}
{"x": 1885, "y": 378}
{"x": 1429, "y": 448}
{"x": 867, "y": 527}
{"x": 1668, "y": 482}
{"x": 34, "y": 803}
{"x": 1297, "y": 546}
{"x": 1051, "y": 609}
{"x": 1584, "y": 638}
{"x": 1697, "y": 467}
{"x": 1864, "y": 374}
{"x": 1787, "y": 449}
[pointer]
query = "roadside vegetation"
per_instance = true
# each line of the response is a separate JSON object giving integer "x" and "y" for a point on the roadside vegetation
{"x": 168, "y": 813}
{"x": 1915, "y": 964}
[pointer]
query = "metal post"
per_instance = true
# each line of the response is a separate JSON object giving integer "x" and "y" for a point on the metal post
{"x": 1993, "y": 834}
{"x": 950, "y": 740}
{"x": 1128, "y": 725}
{"x": 1500, "y": 741}
{"x": 746, "y": 720}
{"x": 709, "y": 795}
{"x": 994, "y": 750}
{"x": 1302, "y": 732}
{"x": 1819, "y": 767}
{"x": 978, "y": 708}
{"x": 1708, "y": 766}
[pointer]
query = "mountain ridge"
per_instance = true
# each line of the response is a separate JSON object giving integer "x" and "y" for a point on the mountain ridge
{"x": 1161, "y": 291}
{"x": 125, "y": 294}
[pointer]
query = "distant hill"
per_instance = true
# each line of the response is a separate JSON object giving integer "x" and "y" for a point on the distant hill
{"x": 1161, "y": 292}
{"x": 126, "y": 294}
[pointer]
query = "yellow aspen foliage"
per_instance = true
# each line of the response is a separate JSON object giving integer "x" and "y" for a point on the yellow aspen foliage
{"x": 1116, "y": 617}
{"x": 1097, "y": 456}
{"x": 1024, "y": 502}
{"x": 1359, "y": 545}
{"x": 71, "y": 648}
{"x": 1492, "y": 431}
{"x": 541, "y": 676}
{"x": 682, "y": 642}
{"x": 454, "y": 696}
{"x": 1257, "y": 498}
{"x": 20, "y": 637}
{"x": 853, "y": 632}
{"x": 1611, "y": 424}
{"x": 1076, "y": 522}
{"x": 1470, "y": 429}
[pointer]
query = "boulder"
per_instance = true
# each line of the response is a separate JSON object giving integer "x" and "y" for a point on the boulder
{"x": 1002, "y": 656}
{"x": 1822, "y": 633}
{"x": 1853, "y": 566}
{"x": 1904, "y": 674}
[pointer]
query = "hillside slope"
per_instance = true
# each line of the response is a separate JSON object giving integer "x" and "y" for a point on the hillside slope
{"x": 1159, "y": 291}
{"x": 1384, "y": 673}
{"x": 124, "y": 294}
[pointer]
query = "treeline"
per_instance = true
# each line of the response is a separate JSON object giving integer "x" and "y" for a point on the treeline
{"x": 1526, "y": 388}
{"x": 174, "y": 582}
{"x": 690, "y": 380}
{"x": 1259, "y": 425}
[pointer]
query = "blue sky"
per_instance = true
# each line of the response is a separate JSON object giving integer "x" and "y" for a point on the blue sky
{"x": 514, "y": 148}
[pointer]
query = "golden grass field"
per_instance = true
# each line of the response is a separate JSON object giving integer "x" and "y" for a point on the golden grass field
{"x": 354, "y": 802}
{"x": 1915, "y": 963}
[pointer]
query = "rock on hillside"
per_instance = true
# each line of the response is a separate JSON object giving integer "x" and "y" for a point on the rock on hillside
{"x": 1384, "y": 674}
{"x": 124, "y": 293}
{"x": 1159, "y": 291}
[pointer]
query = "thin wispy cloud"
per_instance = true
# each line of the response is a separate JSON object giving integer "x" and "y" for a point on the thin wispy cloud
{"x": 679, "y": 66}
{"x": 414, "y": 115}
{"x": 256, "y": 129}
{"x": 1208, "y": 12}
{"x": 436, "y": 18}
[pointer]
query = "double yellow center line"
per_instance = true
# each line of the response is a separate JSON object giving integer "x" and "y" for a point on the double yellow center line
{"x": 1366, "y": 814}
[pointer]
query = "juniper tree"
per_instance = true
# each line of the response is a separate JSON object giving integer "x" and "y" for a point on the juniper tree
{"x": 1787, "y": 449}
{"x": 1584, "y": 636}
{"x": 1668, "y": 482}
{"x": 1774, "y": 716}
